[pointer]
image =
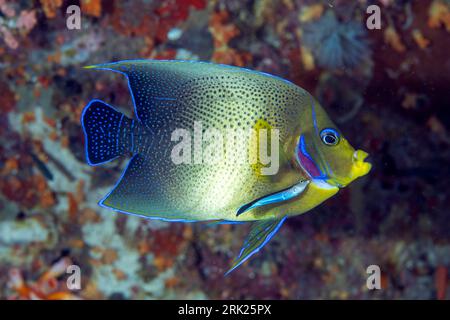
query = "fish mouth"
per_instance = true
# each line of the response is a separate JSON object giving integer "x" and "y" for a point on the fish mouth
{"x": 360, "y": 167}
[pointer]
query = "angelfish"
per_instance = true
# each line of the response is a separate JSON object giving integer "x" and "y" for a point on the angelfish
{"x": 315, "y": 160}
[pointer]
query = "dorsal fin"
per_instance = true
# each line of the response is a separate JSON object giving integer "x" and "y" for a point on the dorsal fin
{"x": 153, "y": 87}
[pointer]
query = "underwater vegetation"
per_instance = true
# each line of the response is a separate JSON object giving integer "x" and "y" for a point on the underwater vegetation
{"x": 387, "y": 90}
{"x": 336, "y": 44}
{"x": 47, "y": 286}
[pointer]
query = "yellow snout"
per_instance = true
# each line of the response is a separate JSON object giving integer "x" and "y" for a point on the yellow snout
{"x": 359, "y": 166}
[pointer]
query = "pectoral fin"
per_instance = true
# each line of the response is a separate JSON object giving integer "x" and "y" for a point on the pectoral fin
{"x": 261, "y": 232}
{"x": 279, "y": 196}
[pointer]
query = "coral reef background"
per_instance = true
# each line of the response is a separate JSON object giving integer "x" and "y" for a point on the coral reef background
{"x": 387, "y": 89}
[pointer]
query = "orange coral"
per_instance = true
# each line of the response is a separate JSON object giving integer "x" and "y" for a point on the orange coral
{"x": 109, "y": 256}
{"x": 410, "y": 101}
{"x": 231, "y": 56}
{"x": 50, "y": 121}
{"x": 307, "y": 59}
{"x": 54, "y": 58}
{"x": 46, "y": 198}
{"x": 421, "y": 41}
{"x": 50, "y": 7}
{"x": 172, "y": 282}
{"x": 65, "y": 141}
{"x": 91, "y": 291}
{"x": 120, "y": 275}
{"x": 222, "y": 33}
{"x": 76, "y": 243}
{"x": 310, "y": 13}
{"x": 72, "y": 206}
{"x": 11, "y": 164}
{"x": 30, "y": 191}
{"x": 88, "y": 215}
{"x": 53, "y": 136}
{"x": 188, "y": 233}
{"x": 439, "y": 14}
{"x": 92, "y": 7}
{"x": 28, "y": 117}
{"x": 143, "y": 247}
{"x": 47, "y": 287}
{"x": 163, "y": 262}
{"x": 80, "y": 196}
{"x": 392, "y": 38}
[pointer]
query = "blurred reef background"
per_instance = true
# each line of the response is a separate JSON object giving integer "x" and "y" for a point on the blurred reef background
{"x": 388, "y": 90}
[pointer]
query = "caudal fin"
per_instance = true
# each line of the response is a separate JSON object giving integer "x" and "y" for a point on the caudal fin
{"x": 107, "y": 132}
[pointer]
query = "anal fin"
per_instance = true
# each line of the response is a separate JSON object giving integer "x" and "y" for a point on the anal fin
{"x": 260, "y": 234}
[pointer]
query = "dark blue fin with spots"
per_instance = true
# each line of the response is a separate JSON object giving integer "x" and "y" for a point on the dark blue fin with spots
{"x": 107, "y": 132}
{"x": 260, "y": 234}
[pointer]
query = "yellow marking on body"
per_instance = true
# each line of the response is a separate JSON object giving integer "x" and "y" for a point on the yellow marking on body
{"x": 254, "y": 146}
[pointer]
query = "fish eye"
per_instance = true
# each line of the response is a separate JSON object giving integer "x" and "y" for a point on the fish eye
{"x": 330, "y": 137}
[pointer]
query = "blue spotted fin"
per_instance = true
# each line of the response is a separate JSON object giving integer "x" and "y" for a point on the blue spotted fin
{"x": 279, "y": 196}
{"x": 107, "y": 132}
{"x": 155, "y": 85}
{"x": 260, "y": 234}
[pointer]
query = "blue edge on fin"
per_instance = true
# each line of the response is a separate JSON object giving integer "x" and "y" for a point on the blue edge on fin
{"x": 270, "y": 236}
{"x": 86, "y": 136}
{"x": 97, "y": 100}
{"x": 100, "y": 203}
{"x": 118, "y": 181}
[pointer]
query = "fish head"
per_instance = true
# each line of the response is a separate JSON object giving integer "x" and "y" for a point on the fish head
{"x": 324, "y": 154}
